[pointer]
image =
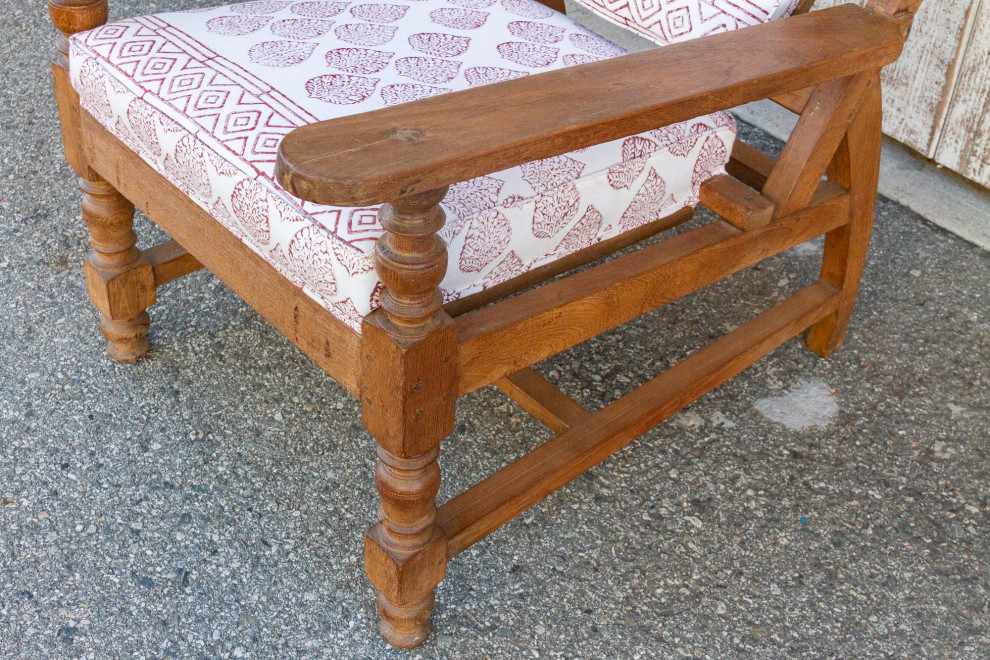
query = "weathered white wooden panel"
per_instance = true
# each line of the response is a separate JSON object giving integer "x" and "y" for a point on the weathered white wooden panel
{"x": 916, "y": 87}
{"x": 964, "y": 145}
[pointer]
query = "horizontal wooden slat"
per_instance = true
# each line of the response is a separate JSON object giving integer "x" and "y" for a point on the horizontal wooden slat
{"x": 543, "y": 400}
{"x": 377, "y": 156}
{"x": 737, "y": 203}
{"x": 521, "y": 331}
{"x": 480, "y": 510}
{"x": 170, "y": 261}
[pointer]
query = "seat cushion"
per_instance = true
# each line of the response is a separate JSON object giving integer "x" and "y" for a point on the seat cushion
{"x": 670, "y": 21}
{"x": 205, "y": 97}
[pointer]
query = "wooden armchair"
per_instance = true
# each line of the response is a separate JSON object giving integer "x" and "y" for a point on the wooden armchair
{"x": 410, "y": 358}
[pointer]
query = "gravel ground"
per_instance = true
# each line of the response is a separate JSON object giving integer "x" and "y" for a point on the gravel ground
{"x": 209, "y": 501}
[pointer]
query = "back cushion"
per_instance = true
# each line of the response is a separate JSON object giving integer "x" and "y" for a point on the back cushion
{"x": 671, "y": 21}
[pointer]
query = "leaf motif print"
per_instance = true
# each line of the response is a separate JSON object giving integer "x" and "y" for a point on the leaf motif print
{"x": 539, "y": 33}
{"x": 554, "y": 209}
{"x": 406, "y": 92}
{"x": 486, "y": 75}
{"x": 365, "y": 34}
{"x": 458, "y": 19}
{"x": 236, "y": 26}
{"x": 467, "y": 198}
{"x": 488, "y": 235}
{"x": 280, "y": 54}
{"x": 318, "y": 9}
{"x": 250, "y": 205}
{"x": 427, "y": 69}
{"x": 341, "y": 89}
{"x": 551, "y": 172}
{"x": 439, "y": 44}
{"x": 358, "y": 60}
{"x": 525, "y": 54}
{"x": 301, "y": 28}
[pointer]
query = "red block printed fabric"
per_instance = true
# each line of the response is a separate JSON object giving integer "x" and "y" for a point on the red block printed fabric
{"x": 206, "y": 96}
{"x": 670, "y": 21}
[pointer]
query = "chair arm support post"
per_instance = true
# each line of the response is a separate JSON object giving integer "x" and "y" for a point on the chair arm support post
{"x": 855, "y": 167}
{"x": 411, "y": 262}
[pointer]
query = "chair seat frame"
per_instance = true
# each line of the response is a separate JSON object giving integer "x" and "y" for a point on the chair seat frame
{"x": 415, "y": 357}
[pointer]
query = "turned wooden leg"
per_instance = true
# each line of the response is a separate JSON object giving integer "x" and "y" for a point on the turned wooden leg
{"x": 407, "y": 544}
{"x": 856, "y": 167}
{"x": 119, "y": 278}
{"x": 408, "y": 396}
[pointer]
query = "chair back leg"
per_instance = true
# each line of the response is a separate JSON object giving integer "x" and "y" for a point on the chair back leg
{"x": 855, "y": 167}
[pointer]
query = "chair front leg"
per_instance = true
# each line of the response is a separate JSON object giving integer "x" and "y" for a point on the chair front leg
{"x": 855, "y": 167}
{"x": 408, "y": 393}
{"x": 119, "y": 278}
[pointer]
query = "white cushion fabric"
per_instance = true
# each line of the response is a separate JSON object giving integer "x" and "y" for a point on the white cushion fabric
{"x": 670, "y": 21}
{"x": 206, "y": 96}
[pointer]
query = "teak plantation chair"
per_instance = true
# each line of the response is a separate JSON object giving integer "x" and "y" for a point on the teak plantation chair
{"x": 407, "y": 347}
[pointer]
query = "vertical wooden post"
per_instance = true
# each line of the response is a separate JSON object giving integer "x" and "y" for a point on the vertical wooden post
{"x": 856, "y": 167}
{"x": 409, "y": 388}
{"x": 120, "y": 280}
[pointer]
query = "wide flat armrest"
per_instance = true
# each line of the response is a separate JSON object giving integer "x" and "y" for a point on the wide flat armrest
{"x": 378, "y": 156}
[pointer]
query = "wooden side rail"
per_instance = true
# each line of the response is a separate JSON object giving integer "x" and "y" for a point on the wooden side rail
{"x": 521, "y": 331}
{"x": 170, "y": 261}
{"x": 485, "y": 507}
{"x": 393, "y": 152}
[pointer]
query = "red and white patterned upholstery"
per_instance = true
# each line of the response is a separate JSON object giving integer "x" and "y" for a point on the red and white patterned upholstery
{"x": 669, "y": 21}
{"x": 206, "y": 96}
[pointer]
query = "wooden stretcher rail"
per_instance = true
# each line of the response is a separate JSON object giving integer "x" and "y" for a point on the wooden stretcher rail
{"x": 543, "y": 400}
{"x": 485, "y": 507}
{"x": 170, "y": 261}
{"x": 521, "y": 331}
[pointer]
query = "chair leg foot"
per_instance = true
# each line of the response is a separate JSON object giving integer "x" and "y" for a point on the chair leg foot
{"x": 405, "y": 555}
{"x": 405, "y": 626}
{"x": 826, "y": 336}
{"x": 127, "y": 339}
